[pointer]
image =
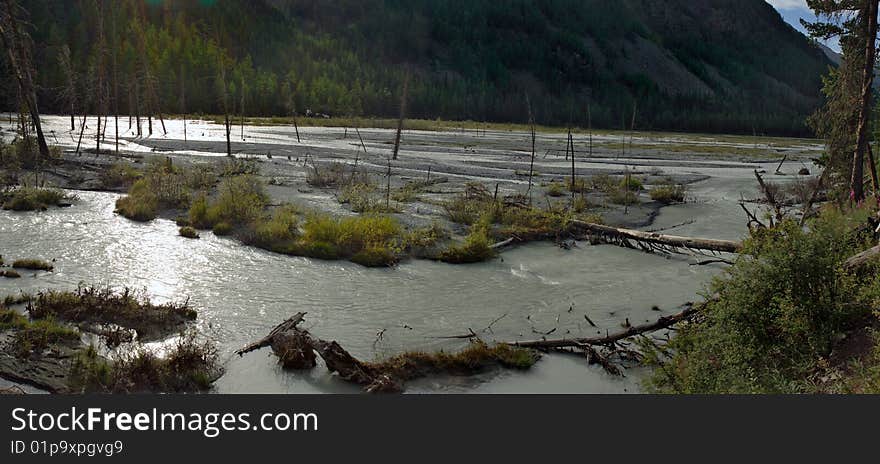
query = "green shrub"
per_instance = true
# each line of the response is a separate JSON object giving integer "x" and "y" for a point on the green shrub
{"x": 163, "y": 187}
{"x": 326, "y": 176}
{"x": 198, "y": 213}
{"x": 10, "y": 319}
{"x": 555, "y": 189}
{"x": 32, "y": 199}
{"x": 668, "y": 193}
{"x": 240, "y": 200}
{"x": 119, "y": 174}
{"x": 476, "y": 247}
{"x": 776, "y": 312}
{"x": 624, "y": 197}
{"x": 362, "y": 197}
{"x": 631, "y": 183}
{"x": 38, "y": 335}
{"x": 222, "y": 229}
{"x": 141, "y": 204}
{"x": 278, "y": 232}
{"x": 188, "y": 232}
{"x": 375, "y": 256}
{"x": 189, "y": 366}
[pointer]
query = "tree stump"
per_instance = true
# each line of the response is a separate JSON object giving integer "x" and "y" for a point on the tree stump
{"x": 293, "y": 350}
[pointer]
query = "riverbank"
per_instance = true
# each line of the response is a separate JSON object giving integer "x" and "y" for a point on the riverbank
{"x": 242, "y": 291}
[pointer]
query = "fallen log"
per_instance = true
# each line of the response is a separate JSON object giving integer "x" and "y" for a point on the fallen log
{"x": 296, "y": 348}
{"x": 285, "y": 326}
{"x": 860, "y": 260}
{"x": 503, "y": 244}
{"x": 661, "y": 323}
{"x": 650, "y": 238}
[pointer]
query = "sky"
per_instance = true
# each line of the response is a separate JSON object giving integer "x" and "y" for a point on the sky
{"x": 793, "y": 10}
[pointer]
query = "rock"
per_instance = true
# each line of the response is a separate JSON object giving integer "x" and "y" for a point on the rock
{"x": 804, "y": 172}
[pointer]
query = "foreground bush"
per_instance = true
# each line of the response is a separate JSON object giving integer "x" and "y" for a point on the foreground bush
{"x": 33, "y": 337}
{"x": 776, "y": 313}
{"x": 189, "y": 366}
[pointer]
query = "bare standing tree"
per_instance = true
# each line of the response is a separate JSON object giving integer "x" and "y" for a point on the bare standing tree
{"x": 100, "y": 51}
{"x": 402, "y": 115}
{"x": 18, "y": 46}
{"x": 532, "y": 159}
{"x": 858, "y": 173}
{"x": 68, "y": 93}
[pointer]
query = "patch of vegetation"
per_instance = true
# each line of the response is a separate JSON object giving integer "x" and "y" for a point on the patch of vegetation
{"x": 777, "y": 313}
{"x": 326, "y": 176}
{"x": 232, "y": 167}
{"x": 32, "y": 264}
{"x": 10, "y": 320}
{"x": 10, "y": 300}
{"x": 476, "y": 247}
{"x": 190, "y": 366}
{"x": 10, "y": 274}
{"x": 188, "y": 232}
{"x": 163, "y": 186}
{"x": 31, "y": 337}
{"x": 240, "y": 201}
{"x": 278, "y": 232}
{"x": 125, "y": 308}
{"x": 408, "y": 193}
{"x": 477, "y": 357}
{"x": 669, "y": 193}
{"x": 624, "y": 197}
{"x": 222, "y": 229}
{"x": 555, "y": 189}
{"x": 32, "y": 199}
{"x": 119, "y": 175}
{"x": 363, "y": 197}
{"x": 36, "y": 336}
{"x": 370, "y": 236}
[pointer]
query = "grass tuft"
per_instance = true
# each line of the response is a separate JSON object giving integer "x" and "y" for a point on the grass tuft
{"x": 32, "y": 264}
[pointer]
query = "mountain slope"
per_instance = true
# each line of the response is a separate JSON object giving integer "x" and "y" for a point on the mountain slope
{"x": 709, "y": 65}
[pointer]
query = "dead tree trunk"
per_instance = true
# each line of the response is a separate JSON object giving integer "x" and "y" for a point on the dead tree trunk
{"x": 183, "y": 99}
{"x": 872, "y": 165}
{"x": 770, "y": 197}
{"x": 15, "y": 41}
{"x": 532, "y": 158}
{"x": 99, "y": 88}
{"x": 661, "y": 323}
{"x": 69, "y": 92}
{"x": 624, "y": 236}
{"x": 869, "y": 14}
{"x": 115, "y": 75}
{"x": 402, "y": 116}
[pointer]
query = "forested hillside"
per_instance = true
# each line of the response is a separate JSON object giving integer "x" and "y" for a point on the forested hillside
{"x": 709, "y": 65}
